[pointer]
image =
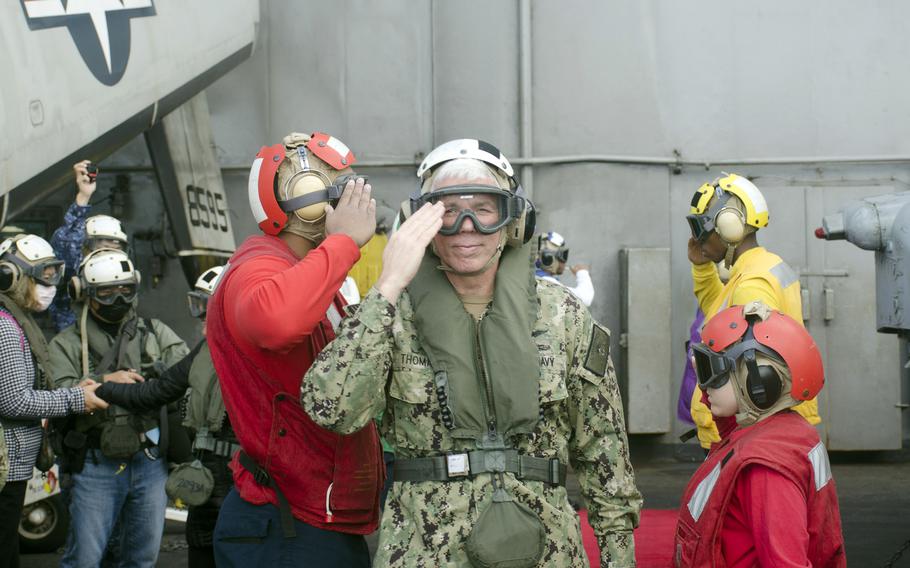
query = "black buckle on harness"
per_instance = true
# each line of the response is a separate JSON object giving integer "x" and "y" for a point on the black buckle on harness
{"x": 262, "y": 477}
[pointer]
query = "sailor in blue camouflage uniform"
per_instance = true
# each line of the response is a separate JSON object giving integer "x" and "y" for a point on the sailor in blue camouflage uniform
{"x": 71, "y": 240}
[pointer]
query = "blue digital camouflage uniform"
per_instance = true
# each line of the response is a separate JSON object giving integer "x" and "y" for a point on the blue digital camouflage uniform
{"x": 377, "y": 363}
{"x": 67, "y": 242}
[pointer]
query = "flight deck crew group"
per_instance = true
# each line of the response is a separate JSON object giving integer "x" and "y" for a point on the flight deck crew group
{"x": 491, "y": 379}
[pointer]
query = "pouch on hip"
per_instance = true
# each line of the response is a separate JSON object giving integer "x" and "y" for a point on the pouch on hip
{"x": 507, "y": 535}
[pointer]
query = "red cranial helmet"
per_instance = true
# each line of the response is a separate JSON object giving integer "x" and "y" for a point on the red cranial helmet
{"x": 731, "y": 336}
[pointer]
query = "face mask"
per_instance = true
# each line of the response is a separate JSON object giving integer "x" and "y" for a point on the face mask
{"x": 311, "y": 231}
{"x": 44, "y": 295}
{"x": 113, "y": 313}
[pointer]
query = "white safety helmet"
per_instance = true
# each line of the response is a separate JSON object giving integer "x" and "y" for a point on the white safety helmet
{"x": 465, "y": 148}
{"x": 198, "y": 298}
{"x": 100, "y": 230}
{"x": 28, "y": 255}
{"x": 103, "y": 271}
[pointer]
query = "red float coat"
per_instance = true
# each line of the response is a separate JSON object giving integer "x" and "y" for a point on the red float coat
{"x": 266, "y": 323}
{"x": 713, "y": 519}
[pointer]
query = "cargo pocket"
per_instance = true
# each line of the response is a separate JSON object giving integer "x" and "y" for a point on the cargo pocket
{"x": 414, "y": 405}
{"x": 357, "y": 478}
{"x": 686, "y": 544}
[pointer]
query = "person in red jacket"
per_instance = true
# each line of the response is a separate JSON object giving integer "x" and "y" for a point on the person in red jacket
{"x": 302, "y": 495}
{"x": 764, "y": 495}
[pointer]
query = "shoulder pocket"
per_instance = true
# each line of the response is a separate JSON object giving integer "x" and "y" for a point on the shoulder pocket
{"x": 552, "y": 383}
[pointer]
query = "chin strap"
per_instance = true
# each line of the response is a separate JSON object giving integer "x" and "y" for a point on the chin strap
{"x": 84, "y": 337}
{"x": 499, "y": 248}
{"x": 728, "y": 258}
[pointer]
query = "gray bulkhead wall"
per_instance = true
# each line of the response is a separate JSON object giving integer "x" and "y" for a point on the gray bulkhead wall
{"x": 711, "y": 80}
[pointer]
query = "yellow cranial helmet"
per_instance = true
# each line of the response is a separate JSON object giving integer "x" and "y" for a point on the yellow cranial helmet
{"x": 731, "y": 205}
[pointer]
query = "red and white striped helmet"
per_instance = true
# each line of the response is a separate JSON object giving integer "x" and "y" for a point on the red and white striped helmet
{"x": 267, "y": 210}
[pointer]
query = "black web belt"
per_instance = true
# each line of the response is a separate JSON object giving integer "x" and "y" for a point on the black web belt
{"x": 262, "y": 477}
{"x": 219, "y": 447}
{"x": 453, "y": 467}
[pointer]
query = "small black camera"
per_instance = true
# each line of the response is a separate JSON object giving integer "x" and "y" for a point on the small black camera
{"x": 92, "y": 171}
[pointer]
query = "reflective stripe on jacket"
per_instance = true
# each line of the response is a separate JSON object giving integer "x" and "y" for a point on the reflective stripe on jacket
{"x": 784, "y": 443}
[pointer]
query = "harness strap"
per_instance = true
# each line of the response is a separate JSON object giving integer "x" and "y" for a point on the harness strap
{"x": 262, "y": 477}
{"x": 453, "y": 467}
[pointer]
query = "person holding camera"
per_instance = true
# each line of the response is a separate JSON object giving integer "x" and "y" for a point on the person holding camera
{"x": 117, "y": 467}
{"x": 29, "y": 274}
{"x": 79, "y": 235}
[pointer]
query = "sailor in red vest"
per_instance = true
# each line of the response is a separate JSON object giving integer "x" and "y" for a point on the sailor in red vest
{"x": 303, "y": 495}
{"x": 764, "y": 496}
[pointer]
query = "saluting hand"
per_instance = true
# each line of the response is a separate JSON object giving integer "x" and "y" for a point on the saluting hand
{"x": 402, "y": 255}
{"x": 696, "y": 256}
{"x": 355, "y": 213}
{"x": 576, "y": 267}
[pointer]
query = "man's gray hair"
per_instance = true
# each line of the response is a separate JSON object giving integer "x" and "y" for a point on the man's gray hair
{"x": 466, "y": 169}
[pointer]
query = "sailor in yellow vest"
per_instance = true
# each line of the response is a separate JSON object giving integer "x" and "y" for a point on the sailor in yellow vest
{"x": 724, "y": 217}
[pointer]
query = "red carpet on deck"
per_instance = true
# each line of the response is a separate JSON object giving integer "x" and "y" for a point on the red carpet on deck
{"x": 653, "y": 539}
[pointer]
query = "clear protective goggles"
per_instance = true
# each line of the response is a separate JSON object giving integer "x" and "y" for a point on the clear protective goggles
{"x": 110, "y": 293}
{"x": 197, "y": 302}
{"x": 713, "y": 369}
{"x": 331, "y": 194}
{"x": 48, "y": 272}
{"x": 561, "y": 255}
{"x": 487, "y": 215}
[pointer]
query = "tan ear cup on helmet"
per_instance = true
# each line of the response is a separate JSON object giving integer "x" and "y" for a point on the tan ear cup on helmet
{"x": 521, "y": 230}
{"x": 730, "y": 225}
{"x": 302, "y": 185}
{"x": 75, "y": 289}
{"x": 9, "y": 276}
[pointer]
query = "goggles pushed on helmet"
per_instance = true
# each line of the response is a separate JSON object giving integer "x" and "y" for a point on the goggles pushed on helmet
{"x": 48, "y": 272}
{"x": 197, "y": 302}
{"x": 487, "y": 218}
{"x": 331, "y": 194}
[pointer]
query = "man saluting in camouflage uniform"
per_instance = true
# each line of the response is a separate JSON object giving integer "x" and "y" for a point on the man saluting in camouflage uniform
{"x": 491, "y": 381}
